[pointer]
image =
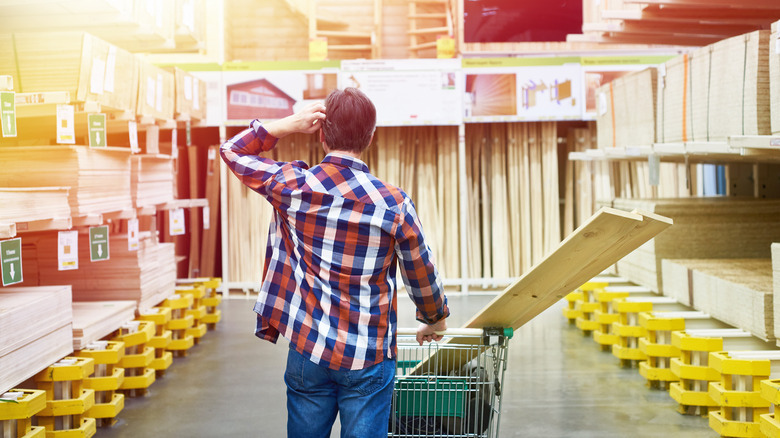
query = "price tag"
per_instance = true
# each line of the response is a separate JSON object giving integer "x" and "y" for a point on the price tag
{"x": 445, "y": 47}
{"x": 66, "y": 130}
{"x": 67, "y": 250}
{"x": 174, "y": 143}
{"x": 196, "y": 93}
{"x": 318, "y": 49}
{"x": 602, "y": 104}
{"x": 206, "y": 217}
{"x": 132, "y": 130}
{"x": 188, "y": 87}
{"x": 108, "y": 84}
{"x": 97, "y": 76}
{"x": 133, "y": 240}
{"x": 8, "y": 113}
{"x": 98, "y": 243}
{"x": 159, "y": 92}
{"x": 11, "y": 260}
{"x": 97, "y": 130}
{"x": 176, "y": 222}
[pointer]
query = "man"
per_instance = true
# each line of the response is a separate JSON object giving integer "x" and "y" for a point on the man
{"x": 330, "y": 268}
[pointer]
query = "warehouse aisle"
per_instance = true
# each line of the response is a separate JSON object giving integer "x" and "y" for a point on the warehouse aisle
{"x": 558, "y": 384}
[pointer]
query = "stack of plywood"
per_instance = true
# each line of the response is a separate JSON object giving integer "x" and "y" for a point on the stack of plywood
{"x": 627, "y": 110}
{"x": 99, "y": 178}
{"x": 735, "y": 291}
{"x": 156, "y": 92}
{"x": 77, "y": 62}
{"x": 774, "y": 77}
{"x": 703, "y": 228}
{"x": 739, "y": 87}
{"x": 35, "y": 331}
{"x": 190, "y": 96}
{"x": 673, "y": 121}
{"x": 22, "y": 205}
{"x": 95, "y": 320}
{"x": 146, "y": 276}
{"x": 151, "y": 179}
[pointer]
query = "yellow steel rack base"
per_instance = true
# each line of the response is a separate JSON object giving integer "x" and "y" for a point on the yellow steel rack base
{"x": 67, "y": 400}
{"x": 16, "y": 418}
{"x": 658, "y": 348}
{"x": 770, "y": 391}
{"x": 692, "y": 391}
{"x": 107, "y": 379}
{"x": 738, "y": 393}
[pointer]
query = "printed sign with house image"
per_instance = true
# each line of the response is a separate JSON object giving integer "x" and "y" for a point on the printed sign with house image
{"x": 258, "y": 99}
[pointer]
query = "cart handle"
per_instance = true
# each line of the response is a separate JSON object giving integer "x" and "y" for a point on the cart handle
{"x": 405, "y": 331}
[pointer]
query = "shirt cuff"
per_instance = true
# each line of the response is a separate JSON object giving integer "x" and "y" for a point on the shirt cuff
{"x": 264, "y": 330}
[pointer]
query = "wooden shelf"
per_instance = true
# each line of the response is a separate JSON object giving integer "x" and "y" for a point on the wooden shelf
{"x": 743, "y": 149}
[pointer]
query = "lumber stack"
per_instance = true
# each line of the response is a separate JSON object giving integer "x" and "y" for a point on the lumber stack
{"x": 146, "y": 276}
{"x": 95, "y": 320}
{"x": 151, "y": 179}
{"x": 735, "y": 291}
{"x": 35, "y": 331}
{"x": 33, "y": 204}
{"x": 704, "y": 228}
{"x": 627, "y": 110}
{"x": 156, "y": 92}
{"x": 190, "y": 96}
{"x": 776, "y": 285}
{"x": 774, "y": 78}
{"x": 77, "y": 62}
{"x": 99, "y": 178}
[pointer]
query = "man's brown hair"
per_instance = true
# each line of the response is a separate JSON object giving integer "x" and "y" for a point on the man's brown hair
{"x": 350, "y": 120}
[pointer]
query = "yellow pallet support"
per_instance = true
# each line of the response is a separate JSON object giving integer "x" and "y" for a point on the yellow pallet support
{"x": 67, "y": 400}
{"x": 106, "y": 380}
{"x": 17, "y": 410}
{"x": 658, "y": 348}
{"x": 693, "y": 370}
{"x": 586, "y": 305}
{"x": 628, "y": 330}
{"x": 212, "y": 300}
{"x": 770, "y": 391}
{"x": 738, "y": 393}
{"x": 197, "y": 310}
{"x": 138, "y": 356}
{"x": 605, "y": 316}
{"x": 180, "y": 322}
{"x": 161, "y": 340}
{"x": 570, "y": 312}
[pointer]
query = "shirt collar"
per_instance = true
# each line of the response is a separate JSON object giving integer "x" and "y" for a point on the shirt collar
{"x": 346, "y": 161}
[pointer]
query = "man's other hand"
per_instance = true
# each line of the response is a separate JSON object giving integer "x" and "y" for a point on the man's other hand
{"x": 306, "y": 121}
{"x": 427, "y": 333}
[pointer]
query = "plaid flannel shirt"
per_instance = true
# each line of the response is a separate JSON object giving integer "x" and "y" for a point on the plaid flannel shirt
{"x": 330, "y": 267}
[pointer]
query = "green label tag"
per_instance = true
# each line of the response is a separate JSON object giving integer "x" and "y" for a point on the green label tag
{"x": 11, "y": 259}
{"x": 97, "y": 130}
{"x": 8, "y": 111}
{"x": 98, "y": 243}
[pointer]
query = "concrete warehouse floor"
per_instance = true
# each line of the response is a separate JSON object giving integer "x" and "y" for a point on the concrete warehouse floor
{"x": 557, "y": 384}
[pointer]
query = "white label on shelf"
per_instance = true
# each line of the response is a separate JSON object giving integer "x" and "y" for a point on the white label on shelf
{"x": 176, "y": 222}
{"x": 67, "y": 250}
{"x": 132, "y": 235}
{"x": 602, "y": 104}
{"x": 151, "y": 88}
{"x": 97, "y": 76}
{"x": 159, "y": 94}
{"x": 108, "y": 82}
{"x": 188, "y": 87}
{"x": 175, "y": 143}
{"x": 132, "y": 130}
{"x": 206, "y": 217}
{"x": 777, "y": 45}
{"x": 66, "y": 130}
{"x": 195, "y": 93}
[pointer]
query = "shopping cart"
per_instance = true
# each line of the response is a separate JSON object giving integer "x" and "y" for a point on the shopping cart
{"x": 450, "y": 388}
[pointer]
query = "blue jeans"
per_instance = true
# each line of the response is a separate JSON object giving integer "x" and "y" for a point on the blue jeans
{"x": 315, "y": 394}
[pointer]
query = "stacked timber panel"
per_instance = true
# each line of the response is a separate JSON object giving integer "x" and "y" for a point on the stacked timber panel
{"x": 776, "y": 284}
{"x": 627, "y": 110}
{"x": 774, "y": 77}
{"x": 704, "y": 228}
{"x": 35, "y": 331}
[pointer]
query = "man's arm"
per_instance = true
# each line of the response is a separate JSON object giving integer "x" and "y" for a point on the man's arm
{"x": 420, "y": 275}
{"x": 241, "y": 152}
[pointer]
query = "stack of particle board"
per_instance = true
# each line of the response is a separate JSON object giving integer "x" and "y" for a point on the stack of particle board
{"x": 630, "y": 103}
{"x": 776, "y": 284}
{"x": 739, "y": 88}
{"x": 99, "y": 178}
{"x": 673, "y": 120}
{"x": 190, "y": 95}
{"x": 735, "y": 291}
{"x": 146, "y": 276}
{"x": 155, "y": 92}
{"x": 714, "y": 227}
{"x": 35, "y": 331}
{"x": 95, "y": 320}
{"x": 151, "y": 179}
{"x": 77, "y": 62}
{"x": 774, "y": 77}
{"x": 33, "y": 204}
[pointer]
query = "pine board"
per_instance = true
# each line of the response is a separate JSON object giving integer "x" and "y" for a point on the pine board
{"x": 33, "y": 204}
{"x": 774, "y": 78}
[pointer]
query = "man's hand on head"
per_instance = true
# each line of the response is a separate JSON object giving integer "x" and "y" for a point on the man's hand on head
{"x": 306, "y": 121}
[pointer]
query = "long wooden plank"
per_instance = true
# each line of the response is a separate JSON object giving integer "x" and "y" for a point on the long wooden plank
{"x": 608, "y": 236}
